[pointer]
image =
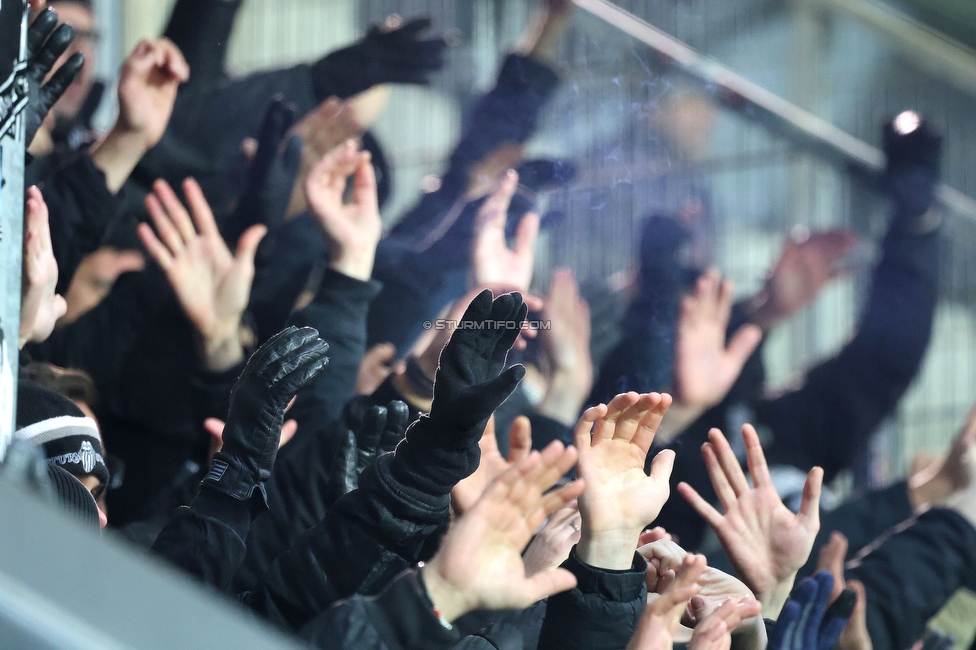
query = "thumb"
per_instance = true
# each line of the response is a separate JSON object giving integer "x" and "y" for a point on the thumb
{"x": 519, "y": 439}
{"x": 662, "y": 465}
{"x": 214, "y": 427}
{"x": 126, "y": 262}
{"x": 247, "y": 245}
{"x": 743, "y": 344}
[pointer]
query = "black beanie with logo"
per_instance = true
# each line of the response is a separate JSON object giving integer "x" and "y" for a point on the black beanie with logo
{"x": 73, "y": 496}
{"x": 69, "y": 439}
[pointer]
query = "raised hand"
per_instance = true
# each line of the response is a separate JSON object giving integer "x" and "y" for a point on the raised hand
{"x": 351, "y": 230}
{"x": 46, "y": 42}
{"x": 714, "y": 631}
{"x": 466, "y": 493}
{"x": 211, "y": 284}
{"x": 663, "y": 613}
{"x": 378, "y": 432}
{"x": 493, "y": 263}
{"x": 565, "y": 345}
{"x": 935, "y": 484}
{"x": 765, "y": 542}
{"x": 551, "y": 546}
{"x": 620, "y": 500}
{"x": 479, "y": 564}
{"x": 271, "y": 378}
{"x": 94, "y": 278}
{"x": 40, "y": 306}
{"x": 804, "y": 268}
{"x": 705, "y": 367}
{"x": 148, "y": 82}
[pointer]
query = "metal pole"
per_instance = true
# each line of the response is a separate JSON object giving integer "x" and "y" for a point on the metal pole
{"x": 754, "y": 102}
{"x": 13, "y": 99}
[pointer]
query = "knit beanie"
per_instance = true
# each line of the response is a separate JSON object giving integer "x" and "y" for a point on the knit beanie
{"x": 69, "y": 439}
{"x": 73, "y": 496}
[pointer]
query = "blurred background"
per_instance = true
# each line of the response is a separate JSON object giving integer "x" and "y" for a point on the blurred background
{"x": 644, "y": 140}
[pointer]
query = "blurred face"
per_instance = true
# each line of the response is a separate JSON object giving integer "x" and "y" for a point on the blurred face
{"x": 93, "y": 483}
{"x": 83, "y": 21}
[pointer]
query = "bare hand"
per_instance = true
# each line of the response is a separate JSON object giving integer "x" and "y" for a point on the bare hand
{"x": 765, "y": 542}
{"x": 714, "y": 630}
{"x": 492, "y": 261}
{"x": 148, "y": 83}
{"x": 662, "y": 615}
{"x": 955, "y": 471}
{"x": 479, "y": 564}
{"x": 466, "y": 493}
{"x": 211, "y": 284}
{"x": 551, "y": 545}
{"x": 566, "y": 346}
{"x": 40, "y": 306}
{"x": 94, "y": 278}
{"x": 804, "y": 268}
{"x": 375, "y": 368}
{"x": 705, "y": 368}
{"x": 351, "y": 230}
{"x": 620, "y": 499}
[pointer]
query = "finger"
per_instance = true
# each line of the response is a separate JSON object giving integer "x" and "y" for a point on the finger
{"x": 202, "y": 214}
{"x": 561, "y": 497}
{"x": 157, "y": 250}
{"x": 650, "y": 423}
{"x": 810, "y": 504}
{"x": 831, "y": 559}
{"x": 583, "y": 429}
{"x": 605, "y": 427}
{"x": 726, "y": 292}
{"x": 39, "y": 31}
{"x": 247, "y": 245}
{"x": 214, "y": 427}
{"x": 51, "y": 51}
{"x": 729, "y": 462}
{"x": 63, "y": 77}
{"x": 662, "y": 465}
{"x": 724, "y": 491}
{"x": 526, "y": 235}
{"x": 652, "y": 535}
{"x": 631, "y": 417}
{"x": 701, "y": 506}
{"x": 494, "y": 211}
{"x": 176, "y": 213}
{"x": 742, "y": 344}
{"x": 519, "y": 439}
{"x": 126, "y": 262}
{"x": 547, "y": 583}
{"x": 364, "y": 186}
{"x": 175, "y": 62}
{"x": 288, "y": 431}
{"x": 755, "y": 457}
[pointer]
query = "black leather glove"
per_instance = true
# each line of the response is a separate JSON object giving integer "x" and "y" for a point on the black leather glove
{"x": 912, "y": 173}
{"x": 46, "y": 42}
{"x": 272, "y": 376}
{"x": 379, "y": 431}
{"x": 399, "y": 56}
{"x": 441, "y": 448}
{"x": 271, "y": 175}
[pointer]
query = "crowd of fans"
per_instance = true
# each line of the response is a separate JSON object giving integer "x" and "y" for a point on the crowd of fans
{"x": 349, "y": 431}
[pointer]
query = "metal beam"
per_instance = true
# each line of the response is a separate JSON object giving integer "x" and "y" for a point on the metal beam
{"x": 752, "y": 101}
{"x": 932, "y": 51}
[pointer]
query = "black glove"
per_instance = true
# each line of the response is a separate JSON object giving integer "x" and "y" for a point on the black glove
{"x": 377, "y": 432}
{"x": 270, "y": 176}
{"x": 806, "y": 622}
{"x": 272, "y": 376}
{"x": 912, "y": 172}
{"x": 46, "y": 42}
{"x": 441, "y": 448}
{"x": 398, "y": 56}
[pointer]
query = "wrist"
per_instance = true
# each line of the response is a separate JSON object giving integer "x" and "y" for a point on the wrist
{"x": 358, "y": 266}
{"x": 118, "y": 153}
{"x": 774, "y": 598}
{"x": 449, "y": 602}
{"x": 611, "y": 550}
{"x": 223, "y": 351}
{"x": 565, "y": 397}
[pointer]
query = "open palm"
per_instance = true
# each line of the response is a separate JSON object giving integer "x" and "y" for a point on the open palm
{"x": 211, "y": 284}
{"x": 613, "y": 442}
{"x": 765, "y": 541}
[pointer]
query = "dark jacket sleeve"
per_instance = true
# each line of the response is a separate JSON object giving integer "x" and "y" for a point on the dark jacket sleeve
{"x": 910, "y": 576}
{"x": 861, "y": 521}
{"x": 400, "y": 618}
{"x": 83, "y": 212}
{"x": 202, "y": 29}
{"x": 508, "y": 113}
{"x": 828, "y": 420}
{"x": 600, "y": 613}
{"x": 206, "y": 539}
{"x": 367, "y": 537}
{"x": 338, "y": 312}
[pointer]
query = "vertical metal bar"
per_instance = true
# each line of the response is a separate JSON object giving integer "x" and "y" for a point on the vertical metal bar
{"x": 11, "y": 240}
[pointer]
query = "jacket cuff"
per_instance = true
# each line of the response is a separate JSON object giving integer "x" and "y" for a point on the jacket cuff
{"x": 617, "y": 586}
{"x": 521, "y": 73}
{"x": 334, "y": 282}
{"x": 231, "y": 512}
{"x": 404, "y": 616}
